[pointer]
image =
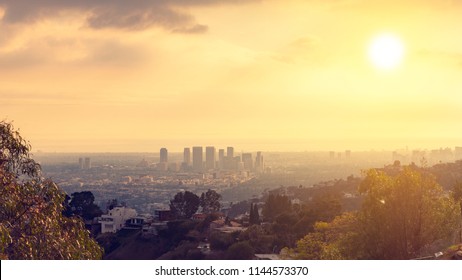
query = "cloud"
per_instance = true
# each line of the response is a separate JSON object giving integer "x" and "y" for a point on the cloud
{"x": 119, "y": 14}
{"x": 73, "y": 52}
{"x": 196, "y": 29}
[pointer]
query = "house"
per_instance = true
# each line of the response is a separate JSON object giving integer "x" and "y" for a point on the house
{"x": 116, "y": 218}
{"x": 135, "y": 222}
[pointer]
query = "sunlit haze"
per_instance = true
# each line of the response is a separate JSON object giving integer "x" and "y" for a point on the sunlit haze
{"x": 134, "y": 76}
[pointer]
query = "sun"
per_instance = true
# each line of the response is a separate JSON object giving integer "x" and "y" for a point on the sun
{"x": 386, "y": 51}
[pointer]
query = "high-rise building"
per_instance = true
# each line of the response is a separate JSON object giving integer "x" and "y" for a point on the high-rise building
{"x": 163, "y": 155}
{"x": 348, "y": 154}
{"x": 332, "y": 155}
{"x": 197, "y": 160}
{"x": 259, "y": 164}
{"x": 87, "y": 163}
{"x": 81, "y": 165}
{"x": 230, "y": 152}
{"x": 221, "y": 158}
{"x": 187, "y": 156}
{"x": 247, "y": 161}
{"x": 210, "y": 158}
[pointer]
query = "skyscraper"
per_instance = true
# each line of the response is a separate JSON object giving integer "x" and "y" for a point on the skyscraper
{"x": 348, "y": 153}
{"x": 332, "y": 155}
{"x": 221, "y": 158}
{"x": 230, "y": 152}
{"x": 210, "y": 158}
{"x": 248, "y": 161}
{"x": 197, "y": 158}
{"x": 87, "y": 163}
{"x": 259, "y": 164}
{"x": 163, "y": 155}
{"x": 187, "y": 156}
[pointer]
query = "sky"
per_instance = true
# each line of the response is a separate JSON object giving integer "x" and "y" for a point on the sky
{"x": 135, "y": 76}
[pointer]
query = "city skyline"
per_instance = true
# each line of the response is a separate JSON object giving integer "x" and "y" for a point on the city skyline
{"x": 116, "y": 76}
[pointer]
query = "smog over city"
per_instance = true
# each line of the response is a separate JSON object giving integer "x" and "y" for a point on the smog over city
{"x": 230, "y": 130}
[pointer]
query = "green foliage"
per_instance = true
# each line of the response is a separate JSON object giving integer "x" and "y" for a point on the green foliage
{"x": 457, "y": 197}
{"x": 31, "y": 222}
{"x": 177, "y": 230}
{"x": 210, "y": 202}
{"x": 275, "y": 205}
{"x": 329, "y": 241}
{"x": 402, "y": 214}
{"x": 254, "y": 218}
{"x": 220, "y": 241}
{"x": 204, "y": 225}
{"x": 240, "y": 251}
{"x": 238, "y": 208}
{"x": 184, "y": 205}
{"x": 14, "y": 153}
{"x": 326, "y": 206}
{"x": 82, "y": 204}
{"x": 260, "y": 239}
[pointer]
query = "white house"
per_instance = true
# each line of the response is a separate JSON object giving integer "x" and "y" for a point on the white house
{"x": 115, "y": 219}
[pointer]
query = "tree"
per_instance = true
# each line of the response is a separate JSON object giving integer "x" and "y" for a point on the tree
{"x": 220, "y": 241}
{"x": 275, "y": 205}
{"x": 210, "y": 202}
{"x": 32, "y": 225}
{"x": 240, "y": 251}
{"x": 403, "y": 214}
{"x": 111, "y": 203}
{"x": 254, "y": 218}
{"x": 184, "y": 205}
{"x": 457, "y": 196}
{"x": 326, "y": 206}
{"x": 82, "y": 204}
{"x": 338, "y": 239}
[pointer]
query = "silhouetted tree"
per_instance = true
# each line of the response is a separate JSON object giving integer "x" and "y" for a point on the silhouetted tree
{"x": 254, "y": 217}
{"x": 82, "y": 204}
{"x": 184, "y": 205}
{"x": 240, "y": 251}
{"x": 210, "y": 202}
{"x": 110, "y": 204}
{"x": 220, "y": 241}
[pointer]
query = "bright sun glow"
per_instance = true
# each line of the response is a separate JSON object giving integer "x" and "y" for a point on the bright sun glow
{"x": 386, "y": 51}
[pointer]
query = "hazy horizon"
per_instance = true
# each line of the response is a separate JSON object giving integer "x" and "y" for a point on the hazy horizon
{"x": 174, "y": 147}
{"x": 118, "y": 76}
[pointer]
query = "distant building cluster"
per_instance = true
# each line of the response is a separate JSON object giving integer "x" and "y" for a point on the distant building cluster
{"x": 85, "y": 163}
{"x": 333, "y": 155}
{"x": 197, "y": 161}
{"x": 427, "y": 156}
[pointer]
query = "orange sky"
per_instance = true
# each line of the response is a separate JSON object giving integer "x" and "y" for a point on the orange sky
{"x": 117, "y": 76}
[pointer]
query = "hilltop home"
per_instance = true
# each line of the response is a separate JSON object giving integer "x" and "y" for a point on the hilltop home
{"x": 116, "y": 218}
